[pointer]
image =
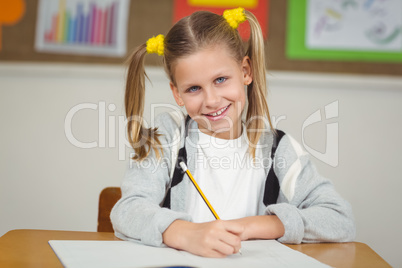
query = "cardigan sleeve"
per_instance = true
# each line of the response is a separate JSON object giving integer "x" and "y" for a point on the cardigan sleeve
{"x": 138, "y": 215}
{"x": 308, "y": 205}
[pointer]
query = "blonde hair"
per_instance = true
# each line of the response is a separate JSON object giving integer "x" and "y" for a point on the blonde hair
{"x": 188, "y": 36}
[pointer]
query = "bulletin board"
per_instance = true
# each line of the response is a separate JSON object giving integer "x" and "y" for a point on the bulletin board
{"x": 144, "y": 18}
{"x": 365, "y": 30}
{"x": 277, "y": 59}
{"x": 153, "y": 17}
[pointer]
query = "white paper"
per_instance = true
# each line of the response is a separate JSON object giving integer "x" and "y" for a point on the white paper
{"x": 82, "y": 27}
{"x": 257, "y": 253}
{"x": 374, "y": 25}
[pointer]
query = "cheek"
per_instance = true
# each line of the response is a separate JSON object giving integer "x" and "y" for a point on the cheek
{"x": 193, "y": 104}
{"x": 239, "y": 95}
{"x": 241, "y": 98}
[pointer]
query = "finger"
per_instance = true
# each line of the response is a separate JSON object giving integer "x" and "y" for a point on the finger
{"x": 237, "y": 249}
{"x": 224, "y": 248}
{"x": 233, "y": 227}
{"x": 215, "y": 254}
{"x": 230, "y": 239}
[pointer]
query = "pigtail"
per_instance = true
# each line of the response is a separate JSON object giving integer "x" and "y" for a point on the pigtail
{"x": 257, "y": 110}
{"x": 140, "y": 138}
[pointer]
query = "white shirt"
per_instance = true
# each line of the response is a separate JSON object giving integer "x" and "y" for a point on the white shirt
{"x": 225, "y": 172}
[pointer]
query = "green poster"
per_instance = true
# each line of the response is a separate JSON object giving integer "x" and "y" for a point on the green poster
{"x": 377, "y": 35}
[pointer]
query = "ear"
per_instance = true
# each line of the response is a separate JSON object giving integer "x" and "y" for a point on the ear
{"x": 176, "y": 94}
{"x": 247, "y": 71}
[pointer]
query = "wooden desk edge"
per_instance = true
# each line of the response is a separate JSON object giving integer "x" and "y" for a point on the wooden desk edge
{"x": 318, "y": 251}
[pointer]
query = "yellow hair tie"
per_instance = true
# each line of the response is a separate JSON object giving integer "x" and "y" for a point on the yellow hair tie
{"x": 155, "y": 45}
{"x": 234, "y": 16}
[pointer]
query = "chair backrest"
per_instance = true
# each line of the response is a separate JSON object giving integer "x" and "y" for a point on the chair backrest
{"x": 108, "y": 197}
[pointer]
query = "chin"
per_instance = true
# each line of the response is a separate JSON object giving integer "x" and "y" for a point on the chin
{"x": 221, "y": 129}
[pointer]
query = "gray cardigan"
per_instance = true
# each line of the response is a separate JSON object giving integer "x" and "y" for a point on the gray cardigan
{"x": 308, "y": 205}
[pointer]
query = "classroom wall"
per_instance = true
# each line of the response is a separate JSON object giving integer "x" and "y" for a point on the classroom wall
{"x": 47, "y": 182}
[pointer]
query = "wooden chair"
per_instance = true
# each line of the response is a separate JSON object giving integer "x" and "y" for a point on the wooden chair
{"x": 108, "y": 197}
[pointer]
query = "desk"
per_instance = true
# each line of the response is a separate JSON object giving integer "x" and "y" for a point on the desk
{"x": 30, "y": 248}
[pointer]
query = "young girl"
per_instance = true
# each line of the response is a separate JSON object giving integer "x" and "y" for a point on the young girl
{"x": 259, "y": 180}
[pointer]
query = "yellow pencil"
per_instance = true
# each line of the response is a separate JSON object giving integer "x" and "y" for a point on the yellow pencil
{"x": 185, "y": 169}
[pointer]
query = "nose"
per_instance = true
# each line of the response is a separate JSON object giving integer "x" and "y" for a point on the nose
{"x": 211, "y": 97}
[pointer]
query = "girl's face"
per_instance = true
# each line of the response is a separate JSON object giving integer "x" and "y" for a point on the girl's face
{"x": 210, "y": 84}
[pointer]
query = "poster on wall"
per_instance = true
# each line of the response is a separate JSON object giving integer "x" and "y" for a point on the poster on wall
{"x": 11, "y": 12}
{"x": 259, "y": 8}
{"x": 82, "y": 27}
{"x": 362, "y": 30}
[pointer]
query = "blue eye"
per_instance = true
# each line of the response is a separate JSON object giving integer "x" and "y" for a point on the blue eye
{"x": 193, "y": 89}
{"x": 220, "y": 80}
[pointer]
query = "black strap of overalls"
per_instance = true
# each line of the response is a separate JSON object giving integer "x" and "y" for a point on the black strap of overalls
{"x": 178, "y": 172}
{"x": 271, "y": 191}
{"x": 272, "y": 187}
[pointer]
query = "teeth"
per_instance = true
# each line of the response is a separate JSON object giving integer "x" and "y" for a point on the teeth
{"x": 219, "y": 112}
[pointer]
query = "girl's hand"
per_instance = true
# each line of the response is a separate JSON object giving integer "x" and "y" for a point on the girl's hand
{"x": 261, "y": 227}
{"x": 211, "y": 239}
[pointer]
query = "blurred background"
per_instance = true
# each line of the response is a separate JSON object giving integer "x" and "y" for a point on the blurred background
{"x": 335, "y": 87}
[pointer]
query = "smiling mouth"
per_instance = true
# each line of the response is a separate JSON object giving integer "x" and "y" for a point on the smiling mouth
{"x": 218, "y": 112}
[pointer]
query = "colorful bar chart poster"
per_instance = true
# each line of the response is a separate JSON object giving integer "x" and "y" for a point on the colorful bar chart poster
{"x": 349, "y": 30}
{"x": 90, "y": 27}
